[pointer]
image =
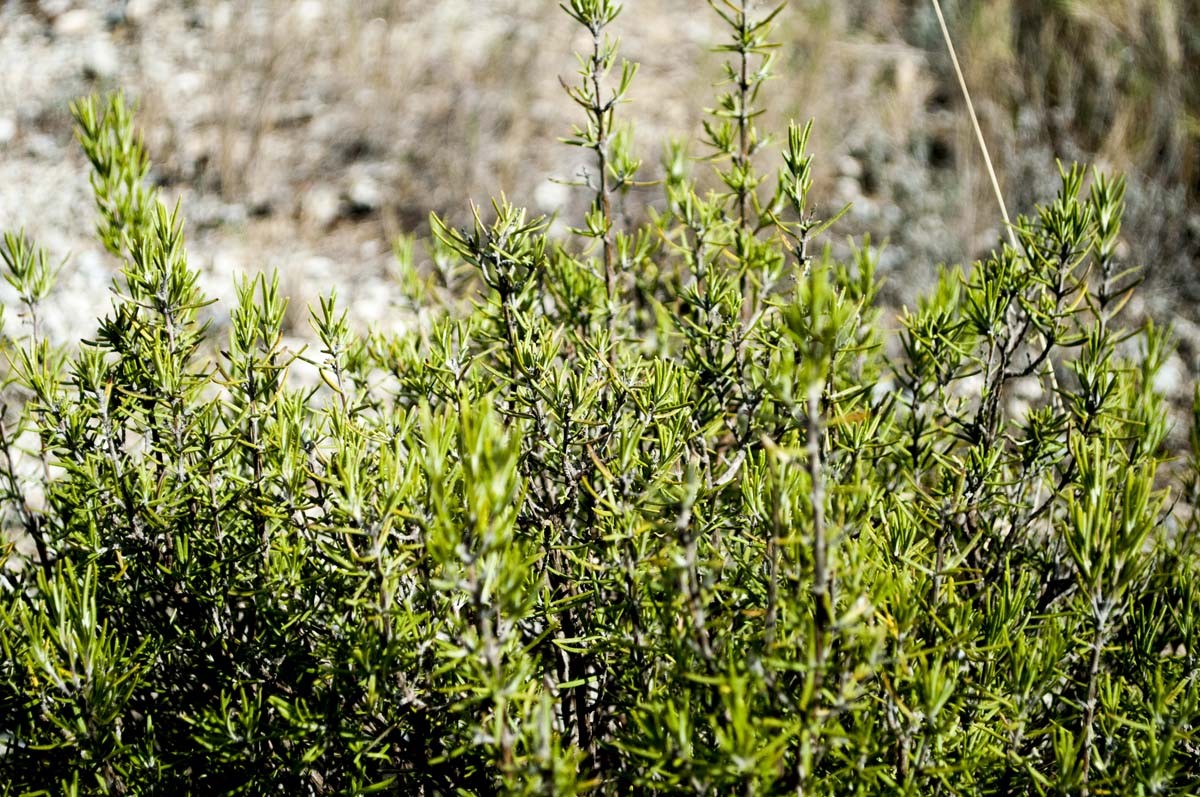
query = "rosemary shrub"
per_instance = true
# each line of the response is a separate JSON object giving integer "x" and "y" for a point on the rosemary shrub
{"x": 655, "y": 513}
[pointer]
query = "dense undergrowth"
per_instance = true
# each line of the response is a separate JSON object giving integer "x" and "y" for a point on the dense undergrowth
{"x": 655, "y": 511}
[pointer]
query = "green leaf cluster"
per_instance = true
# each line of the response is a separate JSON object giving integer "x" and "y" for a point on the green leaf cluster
{"x": 661, "y": 508}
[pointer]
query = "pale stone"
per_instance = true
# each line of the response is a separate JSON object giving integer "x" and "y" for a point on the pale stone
{"x": 222, "y": 17}
{"x": 321, "y": 206}
{"x": 364, "y": 194}
{"x": 1172, "y": 380}
{"x": 101, "y": 60}
{"x": 76, "y": 22}
{"x": 847, "y": 189}
{"x": 551, "y": 197}
{"x": 138, "y": 11}
{"x": 307, "y": 15}
{"x": 54, "y": 8}
{"x": 1028, "y": 389}
{"x": 907, "y": 76}
{"x": 317, "y": 269}
{"x": 188, "y": 84}
{"x": 850, "y": 166}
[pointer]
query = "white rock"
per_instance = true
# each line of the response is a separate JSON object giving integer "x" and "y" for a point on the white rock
{"x": 1187, "y": 332}
{"x": 41, "y": 145}
{"x": 76, "y": 22}
{"x": 138, "y": 11}
{"x": 1018, "y": 408}
{"x": 101, "y": 60}
{"x": 1172, "y": 379}
{"x": 220, "y": 280}
{"x": 1029, "y": 389}
{"x": 373, "y": 39}
{"x": 8, "y": 129}
{"x": 862, "y": 208}
{"x": 364, "y": 194}
{"x": 54, "y": 8}
{"x": 92, "y": 267}
{"x": 370, "y": 249}
{"x": 222, "y": 17}
{"x": 76, "y": 310}
{"x": 907, "y": 76}
{"x": 696, "y": 29}
{"x": 371, "y": 303}
{"x": 970, "y": 387}
{"x": 226, "y": 266}
{"x": 847, "y": 189}
{"x": 849, "y": 166}
{"x": 307, "y": 15}
{"x": 188, "y": 83}
{"x": 316, "y": 270}
{"x": 551, "y": 196}
{"x": 890, "y": 259}
{"x": 321, "y": 206}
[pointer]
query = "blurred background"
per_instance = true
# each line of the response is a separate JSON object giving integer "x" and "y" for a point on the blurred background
{"x": 306, "y": 135}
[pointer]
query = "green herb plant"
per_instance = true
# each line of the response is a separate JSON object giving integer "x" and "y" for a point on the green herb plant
{"x": 663, "y": 507}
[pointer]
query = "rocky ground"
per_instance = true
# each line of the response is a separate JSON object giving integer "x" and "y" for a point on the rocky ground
{"x": 304, "y": 136}
{"x": 321, "y": 230}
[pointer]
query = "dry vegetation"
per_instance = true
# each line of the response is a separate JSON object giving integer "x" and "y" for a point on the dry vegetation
{"x": 307, "y": 135}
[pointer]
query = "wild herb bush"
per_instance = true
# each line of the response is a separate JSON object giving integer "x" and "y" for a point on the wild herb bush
{"x": 655, "y": 512}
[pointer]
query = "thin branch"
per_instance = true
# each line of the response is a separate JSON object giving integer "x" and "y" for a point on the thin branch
{"x": 987, "y": 158}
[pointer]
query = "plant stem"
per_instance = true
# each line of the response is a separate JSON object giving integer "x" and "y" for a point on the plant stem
{"x": 743, "y": 115}
{"x": 600, "y": 115}
{"x": 822, "y": 580}
{"x": 1099, "y": 639}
